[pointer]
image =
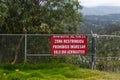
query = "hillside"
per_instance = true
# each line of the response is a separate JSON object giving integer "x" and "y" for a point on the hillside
{"x": 52, "y": 71}
{"x": 100, "y": 22}
{"x": 101, "y": 10}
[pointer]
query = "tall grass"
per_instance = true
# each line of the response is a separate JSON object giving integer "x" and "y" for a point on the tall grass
{"x": 51, "y": 71}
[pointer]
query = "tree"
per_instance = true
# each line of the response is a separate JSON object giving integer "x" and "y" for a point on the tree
{"x": 32, "y": 15}
{"x": 3, "y": 13}
{"x": 39, "y": 16}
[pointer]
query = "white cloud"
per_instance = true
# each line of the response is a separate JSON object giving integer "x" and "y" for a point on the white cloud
{"x": 91, "y": 3}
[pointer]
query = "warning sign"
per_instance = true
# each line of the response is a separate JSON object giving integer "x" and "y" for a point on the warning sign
{"x": 74, "y": 44}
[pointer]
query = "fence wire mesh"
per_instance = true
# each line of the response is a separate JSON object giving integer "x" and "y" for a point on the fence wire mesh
{"x": 8, "y": 44}
{"x": 38, "y": 51}
{"x": 108, "y": 53}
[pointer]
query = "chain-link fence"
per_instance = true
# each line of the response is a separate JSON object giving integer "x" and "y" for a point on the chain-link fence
{"x": 108, "y": 53}
{"x": 8, "y": 48}
{"x": 35, "y": 48}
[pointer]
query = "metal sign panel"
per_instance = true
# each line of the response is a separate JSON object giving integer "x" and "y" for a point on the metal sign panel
{"x": 69, "y": 44}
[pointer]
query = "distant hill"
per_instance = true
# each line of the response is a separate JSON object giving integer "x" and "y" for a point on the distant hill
{"x": 100, "y": 22}
{"x": 101, "y": 10}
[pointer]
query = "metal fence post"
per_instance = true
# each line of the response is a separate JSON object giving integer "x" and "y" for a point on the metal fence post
{"x": 25, "y": 47}
{"x": 93, "y": 51}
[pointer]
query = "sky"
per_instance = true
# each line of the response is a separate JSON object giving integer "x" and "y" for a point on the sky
{"x": 93, "y": 3}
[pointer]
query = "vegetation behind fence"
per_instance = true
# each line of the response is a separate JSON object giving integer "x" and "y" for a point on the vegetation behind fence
{"x": 107, "y": 57}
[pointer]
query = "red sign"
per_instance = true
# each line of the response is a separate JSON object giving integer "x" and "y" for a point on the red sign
{"x": 74, "y": 44}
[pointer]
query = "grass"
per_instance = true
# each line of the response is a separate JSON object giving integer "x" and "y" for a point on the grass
{"x": 52, "y": 71}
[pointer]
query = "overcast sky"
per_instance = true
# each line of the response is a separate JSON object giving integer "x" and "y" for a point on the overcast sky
{"x": 92, "y": 3}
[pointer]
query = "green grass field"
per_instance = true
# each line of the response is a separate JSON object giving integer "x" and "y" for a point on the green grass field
{"x": 52, "y": 71}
